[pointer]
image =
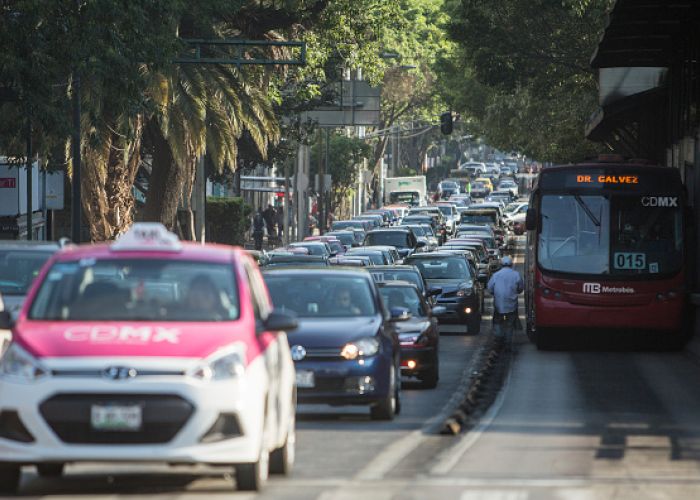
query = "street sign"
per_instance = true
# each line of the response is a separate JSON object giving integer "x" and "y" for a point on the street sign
{"x": 54, "y": 190}
{"x": 357, "y": 104}
{"x": 327, "y": 181}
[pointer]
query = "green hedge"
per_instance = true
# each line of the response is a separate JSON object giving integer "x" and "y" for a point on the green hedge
{"x": 228, "y": 220}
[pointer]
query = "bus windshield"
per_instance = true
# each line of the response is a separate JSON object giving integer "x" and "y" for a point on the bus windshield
{"x": 617, "y": 235}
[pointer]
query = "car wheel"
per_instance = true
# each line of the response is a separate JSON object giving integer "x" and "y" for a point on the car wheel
{"x": 252, "y": 476}
{"x": 474, "y": 324}
{"x": 386, "y": 409}
{"x": 50, "y": 470}
{"x": 9, "y": 478}
{"x": 282, "y": 459}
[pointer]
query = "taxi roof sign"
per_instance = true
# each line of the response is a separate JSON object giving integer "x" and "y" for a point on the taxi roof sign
{"x": 152, "y": 236}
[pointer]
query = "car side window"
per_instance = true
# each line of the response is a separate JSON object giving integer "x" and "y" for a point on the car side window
{"x": 261, "y": 305}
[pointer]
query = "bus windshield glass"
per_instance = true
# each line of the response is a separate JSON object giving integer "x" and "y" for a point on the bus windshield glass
{"x": 618, "y": 235}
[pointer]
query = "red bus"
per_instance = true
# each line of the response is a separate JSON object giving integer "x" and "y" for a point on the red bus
{"x": 605, "y": 250}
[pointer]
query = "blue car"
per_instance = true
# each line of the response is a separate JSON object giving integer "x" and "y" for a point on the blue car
{"x": 346, "y": 349}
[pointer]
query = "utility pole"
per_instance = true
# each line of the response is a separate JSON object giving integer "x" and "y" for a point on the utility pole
{"x": 75, "y": 201}
{"x": 285, "y": 209}
{"x": 30, "y": 201}
{"x": 321, "y": 178}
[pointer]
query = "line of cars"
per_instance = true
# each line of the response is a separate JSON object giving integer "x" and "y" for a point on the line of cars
{"x": 151, "y": 346}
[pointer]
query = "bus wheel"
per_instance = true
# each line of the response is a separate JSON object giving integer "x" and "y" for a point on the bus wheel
{"x": 544, "y": 339}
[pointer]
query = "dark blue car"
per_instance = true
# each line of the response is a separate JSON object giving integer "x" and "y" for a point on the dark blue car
{"x": 346, "y": 349}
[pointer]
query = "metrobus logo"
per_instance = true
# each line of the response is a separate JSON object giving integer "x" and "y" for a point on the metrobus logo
{"x": 598, "y": 288}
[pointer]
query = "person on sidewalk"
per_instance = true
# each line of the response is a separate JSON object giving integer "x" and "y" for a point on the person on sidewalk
{"x": 269, "y": 216}
{"x": 505, "y": 286}
{"x": 258, "y": 229}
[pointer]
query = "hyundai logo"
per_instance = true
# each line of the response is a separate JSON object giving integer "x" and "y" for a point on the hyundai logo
{"x": 298, "y": 352}
{"x": 119, "y": 373}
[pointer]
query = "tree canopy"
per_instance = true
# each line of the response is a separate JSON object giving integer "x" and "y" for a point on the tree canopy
{"x": 520, "y": 74}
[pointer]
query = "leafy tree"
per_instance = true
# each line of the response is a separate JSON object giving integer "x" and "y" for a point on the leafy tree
{"x": 521, "y": 74}
{"x": 344, "y": 154}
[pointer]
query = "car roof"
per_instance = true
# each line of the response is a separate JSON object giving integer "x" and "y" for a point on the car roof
{"x": 388, "y": 230}
{"x": 333, "y": 270}
{"x": 426, "y": 255}
{"x": 46, "y": 246}
{"x": 186, "y": 251}
{"x": 308, "y": 242}
{"x": 297, "y": 257}
{"x": 379, "y": 248}
{"x": 396, "y": 284}
{"x": 385, "y": 267}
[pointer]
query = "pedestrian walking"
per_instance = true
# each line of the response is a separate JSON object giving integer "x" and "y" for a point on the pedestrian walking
{"x": 258, "y": 229}
{"x": 505, "y": 286}
{"x": 279, "y": 220}
{"x": 269, "y": 216}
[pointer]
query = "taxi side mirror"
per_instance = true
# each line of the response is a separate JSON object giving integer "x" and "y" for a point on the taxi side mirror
{"x": 531, "y": 219}
{"x": 280, "y": 321}
{"x": 6, "y": 322}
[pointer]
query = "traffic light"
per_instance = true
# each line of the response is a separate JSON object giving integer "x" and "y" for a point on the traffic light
{"x": 446, "y": 123}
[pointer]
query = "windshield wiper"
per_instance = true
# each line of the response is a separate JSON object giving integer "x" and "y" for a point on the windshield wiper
{"x": 587, "y": 210}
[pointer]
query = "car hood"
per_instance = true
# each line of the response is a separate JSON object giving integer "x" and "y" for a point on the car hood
{"x": 447, "y": 285}
{"x": 412, "y": 325}
{"x": 54, "y": 339}
{"x": 333, "y": 332}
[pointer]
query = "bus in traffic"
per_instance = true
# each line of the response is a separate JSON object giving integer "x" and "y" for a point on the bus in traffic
{"x": 605, "y": 250}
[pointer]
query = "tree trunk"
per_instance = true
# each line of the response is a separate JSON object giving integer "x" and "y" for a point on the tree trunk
{"x": 108, "y": 176}
{"x": 167, "y": 180}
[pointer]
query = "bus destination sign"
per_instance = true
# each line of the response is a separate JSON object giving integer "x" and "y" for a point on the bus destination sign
{"x": 646, "y": 181}
{"x": 607, "y": 179}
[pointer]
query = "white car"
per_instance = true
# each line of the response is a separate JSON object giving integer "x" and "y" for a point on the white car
{"x": 148, "y": 349}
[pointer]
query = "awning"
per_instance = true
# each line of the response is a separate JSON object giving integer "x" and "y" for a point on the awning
{"x": 642, "y": 33}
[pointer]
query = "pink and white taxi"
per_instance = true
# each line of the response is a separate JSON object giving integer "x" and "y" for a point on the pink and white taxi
{"x": 148, "y": 350}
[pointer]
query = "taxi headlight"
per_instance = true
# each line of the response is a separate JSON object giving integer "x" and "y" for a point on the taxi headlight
{"x": 362, "y": 347}
{"x": 225, "y": 364}
{"x": 18, "y": 364}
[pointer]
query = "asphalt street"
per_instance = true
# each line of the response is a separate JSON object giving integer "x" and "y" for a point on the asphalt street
{"x": 570, "y": 424}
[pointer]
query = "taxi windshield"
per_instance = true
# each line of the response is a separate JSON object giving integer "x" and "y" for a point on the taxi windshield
{"x": 137, "y": 290}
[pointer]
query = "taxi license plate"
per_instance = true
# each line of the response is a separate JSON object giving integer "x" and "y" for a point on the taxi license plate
{"x": 305, "y": 379}
{"x": 116, "y": 418}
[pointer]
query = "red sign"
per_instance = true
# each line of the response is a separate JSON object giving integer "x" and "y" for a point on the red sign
{"x": 8, "y": 182}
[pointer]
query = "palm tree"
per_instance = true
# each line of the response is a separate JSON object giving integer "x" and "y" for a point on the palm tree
{"x": 200, "y": 110}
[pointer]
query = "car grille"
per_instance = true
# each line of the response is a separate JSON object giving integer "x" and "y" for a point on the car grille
{"x": 100, "y": 373}
{"x": 69, "y": 417}
{"x": 323, "y": 353}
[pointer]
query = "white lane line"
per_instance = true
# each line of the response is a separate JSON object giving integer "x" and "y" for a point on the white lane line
{"x": 494, "y": 482}
{"x": 494, "y": 495}
{"x": 391, "y": 456}
{"x": 448, "y": 459}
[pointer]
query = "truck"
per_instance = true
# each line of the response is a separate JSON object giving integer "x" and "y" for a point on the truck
{"x": 411, "y": 190}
